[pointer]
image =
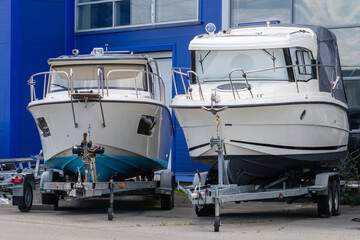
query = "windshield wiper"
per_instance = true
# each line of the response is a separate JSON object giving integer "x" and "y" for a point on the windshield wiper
{"x": 202, "y": 59}
{"x": 273, "y": 58}
{"x": 61, "y": 86}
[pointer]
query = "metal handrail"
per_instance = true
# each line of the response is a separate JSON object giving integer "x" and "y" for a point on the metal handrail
{"x": 247, "y": 83}
{"x": 100, "y": 74}
{"x": 178, "y": 70}
{"x": 32, "y": 83}
{"x": 197, "y": 79}
{"x": 294, "y": 66}
{"x": 159, "y": 80}
{"x": 234, "y": 90}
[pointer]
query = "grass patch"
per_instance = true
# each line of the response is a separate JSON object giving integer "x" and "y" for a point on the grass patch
{"x": 228, "y": 220}
{"x": 179, "y": 192}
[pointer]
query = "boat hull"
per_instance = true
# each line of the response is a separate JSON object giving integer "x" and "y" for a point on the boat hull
{"x": 261, "y": 141}
{"x": 129, "y": 149}
{"x": 109, "y": 165}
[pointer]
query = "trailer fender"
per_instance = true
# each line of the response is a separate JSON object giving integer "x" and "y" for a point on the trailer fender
{"x": 167, "y": 183}
{"x": 323, "y": 179}
{"x": 18, "y": 189}
{"x": 48, "y": 176}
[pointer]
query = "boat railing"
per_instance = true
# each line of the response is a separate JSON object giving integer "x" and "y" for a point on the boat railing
{"x": 157, "y": 82}
{"x": 47, "y": 76}
{"x": 187, "y": 72}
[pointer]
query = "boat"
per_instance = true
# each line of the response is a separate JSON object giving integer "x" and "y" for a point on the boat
{"x": 276, "y": 93}
{"x": 117, "y": 99}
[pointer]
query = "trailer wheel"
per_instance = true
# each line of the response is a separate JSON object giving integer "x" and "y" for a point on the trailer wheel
{"x": 51, "y": 199}
{"x": 217, "y": 224}
{"x": 27, "y": 198}
{"x": 325, "y": 203}
{"x": 167, "y": 201}
{"x": 205, "y": 211}
{"x": 335, "y": 197}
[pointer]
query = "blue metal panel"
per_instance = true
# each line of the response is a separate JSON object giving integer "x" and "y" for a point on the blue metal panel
{"x": 37, "y": 30}
{"x": 43, "y": 36}
{"x": 5, "y": 16}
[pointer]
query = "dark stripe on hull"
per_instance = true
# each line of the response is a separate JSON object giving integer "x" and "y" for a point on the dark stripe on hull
{"x": 198, "y": 146}
{"x": 291, "y": 147}
{"x": 249, "y": 168}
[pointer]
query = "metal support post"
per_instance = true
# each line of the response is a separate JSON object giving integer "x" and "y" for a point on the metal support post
{"x": 37, "y": 168}
{"x": 217, "y": 211}
{"x": 111, "y": 208}
{"x": 216, "y": 145}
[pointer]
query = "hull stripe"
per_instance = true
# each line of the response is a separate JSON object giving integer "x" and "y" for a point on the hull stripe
{"x": 198, "y": 146}
{"x": 291, "y": 147}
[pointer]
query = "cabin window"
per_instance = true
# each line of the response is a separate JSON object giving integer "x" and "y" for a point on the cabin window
{"x": 86, "y": 77}
{"x": 217, "y": 65}
{"x": 109, "y": 14}
{"x": 303, "y": 59}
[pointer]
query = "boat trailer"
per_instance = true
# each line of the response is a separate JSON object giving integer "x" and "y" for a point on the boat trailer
{"x": 208, "y": 198}
{"x": 54, "y": 185}
{"x": 18, "y": 177}
{"x": 18, "y": 183}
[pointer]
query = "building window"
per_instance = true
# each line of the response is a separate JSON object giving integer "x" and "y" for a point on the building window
{"x": 109, "y": 14}
{"x": 327, "y": 12}
{"x": 245, "y": 11}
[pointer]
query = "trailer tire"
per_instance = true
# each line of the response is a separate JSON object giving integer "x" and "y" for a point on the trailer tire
{"x": 336, "y": 197}
{"x": 205, "y": 211}
{"x": 325, "y": 203}
{"x": 27, "y": 199}
{"x": 51, "y": 199}
{"x": 167, "y": 201}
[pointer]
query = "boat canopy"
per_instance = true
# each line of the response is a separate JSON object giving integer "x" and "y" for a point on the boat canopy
{"x": 328, "y": 54}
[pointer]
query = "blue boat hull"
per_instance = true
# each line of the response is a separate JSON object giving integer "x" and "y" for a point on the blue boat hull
{"x": 108, "y": 166}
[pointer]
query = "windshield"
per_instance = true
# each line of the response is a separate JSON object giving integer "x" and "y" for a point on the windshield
{"x": 87, "y": 77}
{"x": 216, "y": 65}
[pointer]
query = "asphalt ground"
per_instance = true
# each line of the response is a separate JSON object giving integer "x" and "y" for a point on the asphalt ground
{"x": 141, "y": 218}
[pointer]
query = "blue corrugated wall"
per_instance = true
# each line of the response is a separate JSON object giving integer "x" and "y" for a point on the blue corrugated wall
{"x": 5, "y": 44}
{"x": 30, "y": 32}
{"x": 38, "y": 30}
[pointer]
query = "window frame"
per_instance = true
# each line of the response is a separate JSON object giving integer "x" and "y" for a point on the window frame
{"x": 127, "y": 27}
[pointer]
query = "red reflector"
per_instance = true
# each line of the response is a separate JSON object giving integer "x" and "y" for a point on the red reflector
{"x": 17, "y": 179}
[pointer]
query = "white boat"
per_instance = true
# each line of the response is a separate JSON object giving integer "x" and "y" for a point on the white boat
{"x": 117, "y": 99}
{"x": 277, "y": 92}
